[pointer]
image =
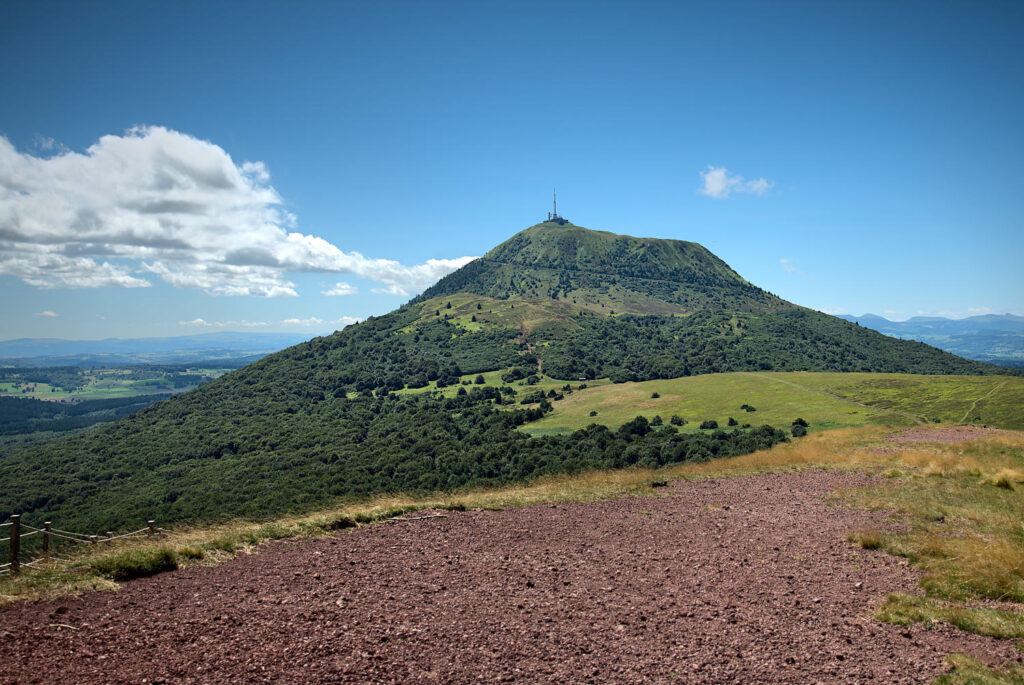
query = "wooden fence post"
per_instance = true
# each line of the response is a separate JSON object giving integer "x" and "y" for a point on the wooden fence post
{"x": 46, "y": 539}
{"x": 15, "y": 543}
{"x": 152, "y": 528}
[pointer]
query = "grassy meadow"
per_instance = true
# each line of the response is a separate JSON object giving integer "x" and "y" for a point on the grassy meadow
{"x": 825, "y": 400}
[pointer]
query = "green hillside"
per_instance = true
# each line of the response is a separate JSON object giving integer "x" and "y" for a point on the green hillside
{"x": 346, "y": 415}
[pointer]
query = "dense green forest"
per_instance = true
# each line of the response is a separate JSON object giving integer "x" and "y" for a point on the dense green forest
{"x": 216, "y": 453}
{"x": 20, "y": 415}
{"x": 321, "y": 421}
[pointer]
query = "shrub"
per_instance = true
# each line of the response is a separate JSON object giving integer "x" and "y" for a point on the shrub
{"x": 709, "y": 423}
{"x": 593, "y": 413}
{"x": 655, "y": 395}
{"x": 479, "y": 380}
{"x": 800, "y": 422}
{"x": 657, "y": 421}
{"x": 733, "y": 422}
{"x": 677, "y": 420}
{"x": 799, "y": 431}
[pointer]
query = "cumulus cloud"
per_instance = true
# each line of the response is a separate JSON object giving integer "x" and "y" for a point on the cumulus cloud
{"x": 340, "y": 288}
{"x": 720, "y": 184}
{"x": 156, "y": 203}
{"x": 47, "y": 314}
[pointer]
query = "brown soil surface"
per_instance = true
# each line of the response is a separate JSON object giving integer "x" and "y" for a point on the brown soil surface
{"x": 741, "y": 580}
{"x": 948, "y": 435}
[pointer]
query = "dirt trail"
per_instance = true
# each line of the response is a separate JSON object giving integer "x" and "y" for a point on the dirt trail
{"x": 984, "y": 397}
{"x": 740, "y": 580}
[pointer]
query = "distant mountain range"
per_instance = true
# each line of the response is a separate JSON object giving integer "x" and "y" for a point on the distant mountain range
{"x": 186, "y": 349}
{"x": 994, "y": 338}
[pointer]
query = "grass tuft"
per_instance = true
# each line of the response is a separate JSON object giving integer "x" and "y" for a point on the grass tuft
{"x": 868, "y": 539}
{"x": 135, "y": 563}
{"x": 901, "y": 609}
{"x": 968, "y": 671}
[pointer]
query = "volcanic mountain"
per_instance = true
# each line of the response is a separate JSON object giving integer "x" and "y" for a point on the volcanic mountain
{"x": 347, "y": 414}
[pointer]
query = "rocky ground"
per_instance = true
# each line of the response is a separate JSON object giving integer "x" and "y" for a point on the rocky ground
{"x": 736, "y": 580}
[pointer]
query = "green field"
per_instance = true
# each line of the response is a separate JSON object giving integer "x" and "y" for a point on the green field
{"x": 100, "y": 384}
{"x": 825, "y": 400}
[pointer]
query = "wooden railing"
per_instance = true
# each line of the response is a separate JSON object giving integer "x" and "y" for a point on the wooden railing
{"x": 15, "y": 530}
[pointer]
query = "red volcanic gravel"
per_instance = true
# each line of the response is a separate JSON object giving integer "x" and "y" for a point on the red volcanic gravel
{"x": 740, "y": 580}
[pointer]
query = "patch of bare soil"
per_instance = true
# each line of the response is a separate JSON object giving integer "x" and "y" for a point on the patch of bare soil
{"x": 742, "y": 580}
{"x": 946, "y": 434}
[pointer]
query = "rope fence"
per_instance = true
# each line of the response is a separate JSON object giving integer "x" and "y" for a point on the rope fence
{"x": 49, "y": 533}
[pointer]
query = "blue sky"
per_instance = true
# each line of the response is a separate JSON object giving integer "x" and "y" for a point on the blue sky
{"x": 175, "y": 168}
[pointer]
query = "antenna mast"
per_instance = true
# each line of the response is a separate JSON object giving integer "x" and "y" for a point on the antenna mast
{"x": 554, "y": 197}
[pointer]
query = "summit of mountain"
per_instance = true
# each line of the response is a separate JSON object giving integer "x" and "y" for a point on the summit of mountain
{"x": 562, "y": 261}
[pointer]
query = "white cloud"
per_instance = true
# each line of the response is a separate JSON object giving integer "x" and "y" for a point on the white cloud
{"x": 834, "y": 311}
{"x": 313, "y": 321}
{"x": 47, "y": 314}
{"x": 159, "y": 203}
{"x": 790, "y": 268}
{"x": 720, "y": 184}
{"x": 341, "y": 288}
{"x": 978, "y": 311}
{"x": 303, "y": 323}
{"x": 224, "y": 324}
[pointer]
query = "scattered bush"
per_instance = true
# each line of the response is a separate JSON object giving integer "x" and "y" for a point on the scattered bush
{"x": 800, "y": 422}
{"x": 593, "y": 413}
{"x": 798, "y": 431}
{"x": 655, "y": 395}
{"x": 657, "y": 421}
{"x": 677, "y": 420}
{"x": 479, "y": 380}
{"x": 708, "y": 423}
{"x": 733, "y": 422}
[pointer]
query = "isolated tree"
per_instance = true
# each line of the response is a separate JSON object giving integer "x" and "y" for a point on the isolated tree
{"x": 479, "y": 380}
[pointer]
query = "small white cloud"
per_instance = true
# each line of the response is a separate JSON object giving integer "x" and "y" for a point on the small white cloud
{"x": 224, "y": 324}
{"x": 101, "y": 317}
{"x": 892, "y": 312}
{"x": 311, "y": 322}
{"x": 392, "y": 289}
{"x": 341, "y": 288}
{"x": 790, "y": 268}
{"x": 720, "y": 184}
{"x": 834, "y": 311}
{"x": 47, "y": 314}
{"x": 318, "y": 322}
{"x": 978, "y": 311}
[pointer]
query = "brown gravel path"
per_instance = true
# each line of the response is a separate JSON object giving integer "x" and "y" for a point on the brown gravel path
{"x": 741, "y": 580}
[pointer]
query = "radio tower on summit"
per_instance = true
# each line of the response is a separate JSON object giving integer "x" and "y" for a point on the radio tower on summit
{"x": 553, "y": 215}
